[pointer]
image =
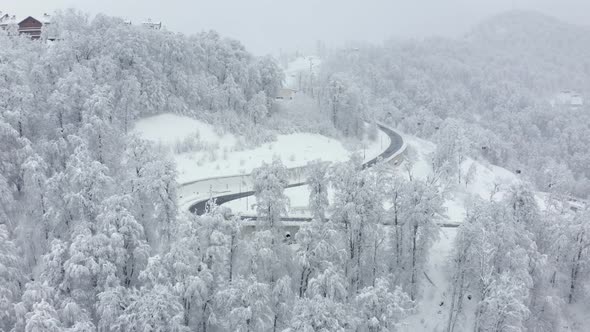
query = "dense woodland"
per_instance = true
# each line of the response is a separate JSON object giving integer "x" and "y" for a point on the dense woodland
{"x": 92, "y": 238}
{"x": 495, "y": 84}
{"x": 487, "y": 96}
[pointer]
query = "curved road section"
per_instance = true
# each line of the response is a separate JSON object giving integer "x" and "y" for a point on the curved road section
{"x": 396, "y": 148}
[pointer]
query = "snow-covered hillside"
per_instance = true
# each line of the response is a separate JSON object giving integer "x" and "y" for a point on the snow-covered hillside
{"x": 300, "y": 69}
{"x": 200, "y": 151}
{"x": 486, "y": 181}
{"x": 114, "y": 216}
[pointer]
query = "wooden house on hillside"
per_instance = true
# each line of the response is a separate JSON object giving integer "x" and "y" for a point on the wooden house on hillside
{"x": 29, "y": 26}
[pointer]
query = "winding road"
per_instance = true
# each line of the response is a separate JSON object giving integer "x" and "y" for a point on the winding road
{"x": 396, "y": 148}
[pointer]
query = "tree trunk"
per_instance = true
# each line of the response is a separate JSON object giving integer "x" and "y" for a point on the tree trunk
{"x": 374, "y": 274}
{"x": 575, "y": 268}
{"x": 413, "y": 278}
{"x": 231, "y": 257}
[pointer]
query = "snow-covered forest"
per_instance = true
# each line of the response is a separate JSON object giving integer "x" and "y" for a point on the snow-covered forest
{"x": 93, "y": 236}
{"x": 495, "y": 84}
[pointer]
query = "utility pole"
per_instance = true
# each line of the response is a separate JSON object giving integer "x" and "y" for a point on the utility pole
{"x": 247, "y": 205}
{"x": 311, "y": 76}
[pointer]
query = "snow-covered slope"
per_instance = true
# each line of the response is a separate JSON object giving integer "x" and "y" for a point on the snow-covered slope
{"x": 487, "y": 181}
{"x": 200, "y": 151}
{"x": 169, "y": 129}
{"x": 300, "y": 69}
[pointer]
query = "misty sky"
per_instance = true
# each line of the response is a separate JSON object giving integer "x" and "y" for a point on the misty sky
{"x": 265, "y": 26}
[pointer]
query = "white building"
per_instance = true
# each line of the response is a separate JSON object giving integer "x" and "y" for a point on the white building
{"x": 152, "y": 25}
{"x": 569, "y": 98}
{"x": 286, "y": 93}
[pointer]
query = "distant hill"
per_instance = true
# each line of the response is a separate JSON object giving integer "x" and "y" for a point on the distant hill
{"x": 533, "y": 32}
{"x": 529, "y": 27}
{"x": 499, "y": 78}
{"x": 527, "y": 39}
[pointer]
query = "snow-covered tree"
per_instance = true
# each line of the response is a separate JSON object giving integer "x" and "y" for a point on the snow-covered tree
{"x": 415, "y": 210}
{"x": 317, "y": 181}
{"x": 320, "y": 314}
{"x": 318, "y": 248}
{"x": 244, "y": 305}
{"x": 152, "y": 309}
{"x": 452, "y": 149}
{"x": 270, "y": 181}
{"x": 257, "y": 108}
{"x": 85, "y": 203}
{"x": 496, "y": 258}
{"x": 127, "y": 237}
{"x": 11, "y": 278}
{"x": 380, "y": 309}
{"x": 504, "y": 308}
{"x": 37, "y": 299}
{"x": 346, "y": 104}
{"x": 574, "y": 254}
{"x": 357, "y": 210}
{"x": 43, "y": 318}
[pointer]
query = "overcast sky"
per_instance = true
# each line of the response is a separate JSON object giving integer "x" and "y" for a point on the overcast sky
{"x": 265, "y": 26}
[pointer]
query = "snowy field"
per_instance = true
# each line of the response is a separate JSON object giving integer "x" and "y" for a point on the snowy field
{"x": 212, "y": 154}
{"x": 210, "y": 163}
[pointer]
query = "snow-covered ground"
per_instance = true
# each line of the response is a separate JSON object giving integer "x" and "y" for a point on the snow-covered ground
{"x": 432, "y": 308}
{"x": 211, "y": 163}
{"x": 169, "y": 129}
{"x": 300, "y": 69}
{"x": 487, "y": 179}
{"x": 488, "y": 182}
{"x": 217, "y": 155}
